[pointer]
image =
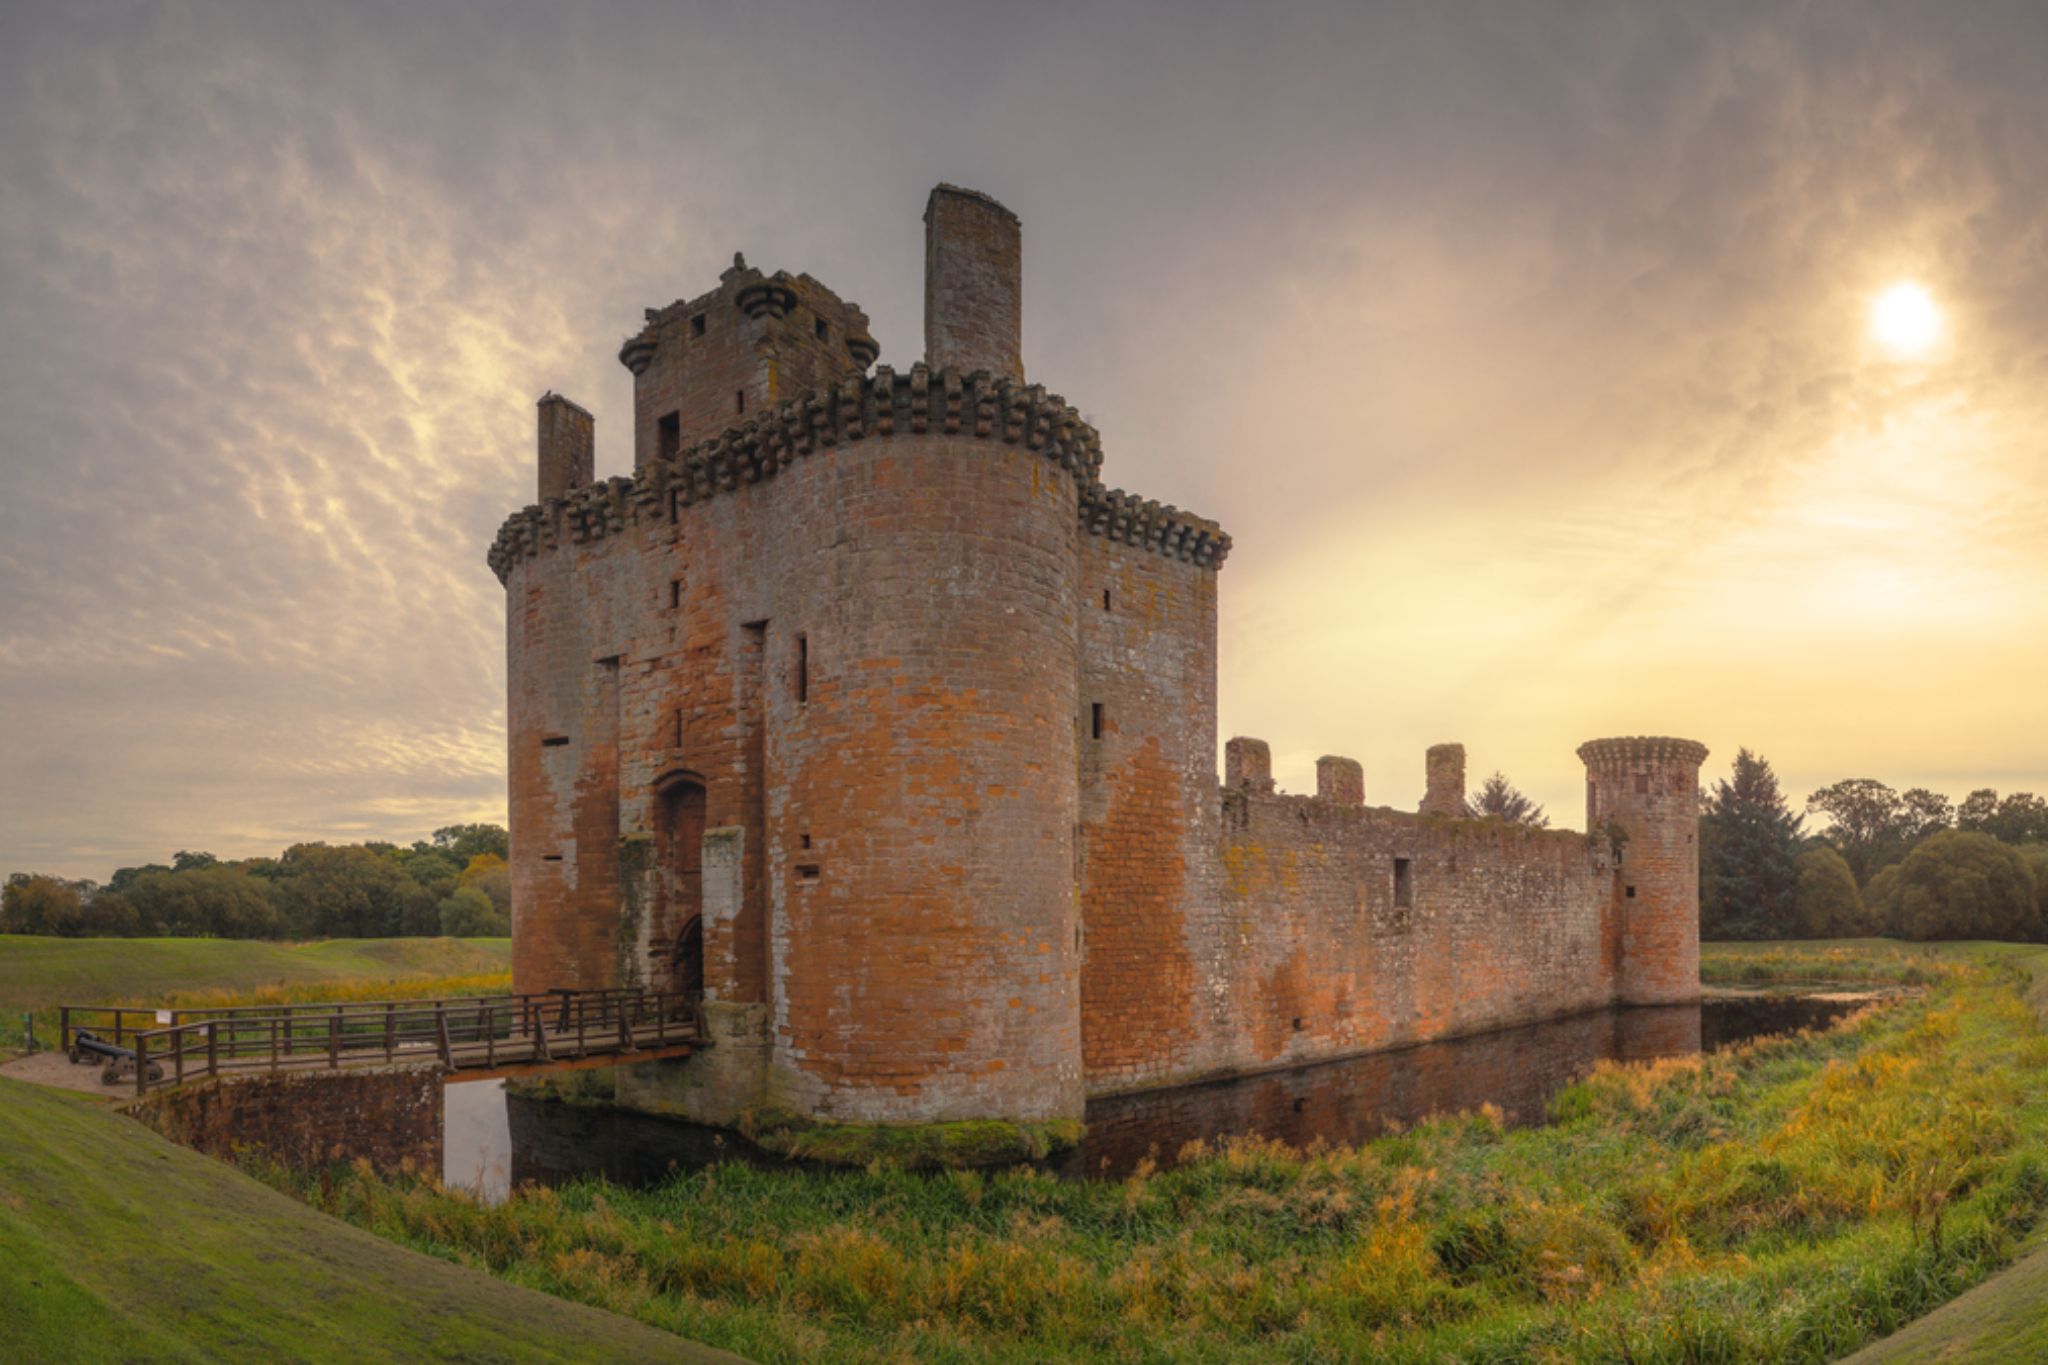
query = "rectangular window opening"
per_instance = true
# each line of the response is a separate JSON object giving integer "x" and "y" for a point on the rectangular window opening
{"x": 1631, "y": 893}
{"x": 675, "y": 730}
{"x": 1404, "y": 883}
{"x": 668, "y": 436}
{"x": 697, "y": 325}
{"x": 554, "y": 741}
{"x": 804, "y": 840}
{"x": 551, "y": 857}
{"x": 1095, "y": 719}
{"x": 822, "y": 330}
{"x": 739, "y": 400}
{"x": 808, "y": 871}
{"x": 1105, "y": 599}
{"x": 803, "y": 669}
{"x": 675, "y": 593}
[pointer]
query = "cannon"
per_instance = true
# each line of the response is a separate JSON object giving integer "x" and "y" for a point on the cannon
{"x": 117, "y": 1061}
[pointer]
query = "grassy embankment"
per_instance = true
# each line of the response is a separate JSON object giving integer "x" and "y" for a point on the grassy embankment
{"x": 40, "y": 974}
{"x": 116, "y": 1245}
{"x": 1786, "y": 1200}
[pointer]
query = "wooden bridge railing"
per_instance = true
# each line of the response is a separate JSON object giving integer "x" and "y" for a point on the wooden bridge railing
{"x": 470, "y": 1031}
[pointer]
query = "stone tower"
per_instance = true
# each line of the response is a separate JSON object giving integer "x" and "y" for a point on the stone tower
{"x": 794, "y": 710}
{"x": 1645, "y": 791}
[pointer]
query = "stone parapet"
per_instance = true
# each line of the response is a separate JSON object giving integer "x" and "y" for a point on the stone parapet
{"x": 1154, "y": 526}
{"x": 860, "y": 408}
{"x": 855, "y": 409}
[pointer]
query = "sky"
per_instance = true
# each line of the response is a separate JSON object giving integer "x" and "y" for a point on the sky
{"x": 1525, "y": 350}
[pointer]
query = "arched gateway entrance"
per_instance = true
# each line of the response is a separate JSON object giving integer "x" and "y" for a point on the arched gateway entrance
{"x": 680, "y": 845}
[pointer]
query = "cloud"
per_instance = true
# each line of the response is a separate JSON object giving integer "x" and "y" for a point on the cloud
{"x": 1521, "y": 349}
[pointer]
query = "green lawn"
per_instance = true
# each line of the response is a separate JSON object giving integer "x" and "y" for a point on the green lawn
{"x": 116, "y": 1245}
{"x": 41, "y": 973}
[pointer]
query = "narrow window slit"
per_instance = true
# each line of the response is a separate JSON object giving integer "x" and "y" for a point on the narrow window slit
{"x": 1404, "y": 883}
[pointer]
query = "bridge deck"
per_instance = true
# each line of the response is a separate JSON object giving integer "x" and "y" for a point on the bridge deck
{"x": 496, "y": 1035}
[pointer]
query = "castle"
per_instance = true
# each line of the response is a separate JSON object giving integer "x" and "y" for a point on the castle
{"x": 867, "y": 711}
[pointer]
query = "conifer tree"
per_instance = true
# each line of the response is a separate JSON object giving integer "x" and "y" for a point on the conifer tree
{"x": 1749, "y": 856}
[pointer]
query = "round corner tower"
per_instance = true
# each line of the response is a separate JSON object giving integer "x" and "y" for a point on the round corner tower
{"x": 1643, "y": 791}
{"x": 794, "y": 711}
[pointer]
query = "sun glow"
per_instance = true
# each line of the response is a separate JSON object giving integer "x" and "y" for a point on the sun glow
{"x": 1905, "y": 320}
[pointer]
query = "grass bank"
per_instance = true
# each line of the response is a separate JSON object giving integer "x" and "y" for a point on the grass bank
{"x": 1790, "y": 1199}
{"x": 116, "y": 1245}
{"x": 39, "y": 974}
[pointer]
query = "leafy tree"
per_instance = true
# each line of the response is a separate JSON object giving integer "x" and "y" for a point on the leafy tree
{"x": 1882, "y": 896}
{"x": 345, "y": 892}
{"x": 1924, "y": 812}
{"x": 124, "y": 877}
{"x": 2036, "y": 856}
{"x": 1827, "y": 902}
{"x": 1867, "y": 821}
{"x": 463, "y": 842}
{"x": 1978, "y": 810}
{"x": 35, "y": 904}
{"x": 488, "y": 873}
{"x": 182, "y": 861}
{"x": 1749, "y": 851}
{"x": 207, "y": 900}
{"x": 1964, "y": 885}
{"x": 2022, "y": 818}
{"x": 469, "y": 914}
{"x": 1498, "y": 800}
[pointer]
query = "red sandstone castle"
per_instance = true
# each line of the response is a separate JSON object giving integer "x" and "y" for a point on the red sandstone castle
{"x": 866, "y": 710}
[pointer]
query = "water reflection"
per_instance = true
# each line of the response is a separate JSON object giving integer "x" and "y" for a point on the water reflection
{"x": 494, "y": 1140}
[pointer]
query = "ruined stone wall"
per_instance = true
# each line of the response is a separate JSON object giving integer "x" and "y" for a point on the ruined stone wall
{"x": 1312, "y": 953}
{"x": 392, "y": 1119}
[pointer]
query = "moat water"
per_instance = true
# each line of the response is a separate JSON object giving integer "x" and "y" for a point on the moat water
{"x": 494, "y": 1140}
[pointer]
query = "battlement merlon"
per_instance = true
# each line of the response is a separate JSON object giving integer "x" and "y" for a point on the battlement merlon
{"x": 860, "y": 408}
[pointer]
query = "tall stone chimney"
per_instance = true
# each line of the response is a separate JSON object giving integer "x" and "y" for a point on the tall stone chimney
{"x": 568, "y": 446}
{"x": 973, "y": 284}
{"x": 1446, "y": 794}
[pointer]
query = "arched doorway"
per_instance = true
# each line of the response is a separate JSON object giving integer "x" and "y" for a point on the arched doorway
{"x": 680, "y": 800}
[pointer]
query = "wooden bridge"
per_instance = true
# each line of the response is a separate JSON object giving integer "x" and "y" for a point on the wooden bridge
{"x": 487, "y": 1034}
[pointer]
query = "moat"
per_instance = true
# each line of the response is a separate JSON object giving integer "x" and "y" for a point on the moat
{"x": 495, "y": 1140}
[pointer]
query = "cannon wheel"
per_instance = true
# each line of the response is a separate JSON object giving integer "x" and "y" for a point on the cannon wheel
{"x": 77, "y": 1053}
{"x": 110, "y": 1074}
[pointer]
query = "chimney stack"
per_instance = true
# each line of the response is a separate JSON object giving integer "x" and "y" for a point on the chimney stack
{"x": 973, "y": 284}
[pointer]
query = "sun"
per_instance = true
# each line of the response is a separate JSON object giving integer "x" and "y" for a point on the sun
{"x": 1905, "y": 320}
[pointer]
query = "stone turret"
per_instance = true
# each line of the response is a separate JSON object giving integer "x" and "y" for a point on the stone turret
{"x": 1643, "y": 794}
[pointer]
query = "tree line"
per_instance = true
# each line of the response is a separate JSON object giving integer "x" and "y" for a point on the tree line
{"x": 1908, "y": 864}
{"x": 454, "y": 882}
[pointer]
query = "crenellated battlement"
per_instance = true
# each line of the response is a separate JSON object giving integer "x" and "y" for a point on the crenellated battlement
{"x": 886, "y": 403}
{"x": 858, "y": 408}
{"x": 1634, "y": 749}
{"x": 1155, "y": 526}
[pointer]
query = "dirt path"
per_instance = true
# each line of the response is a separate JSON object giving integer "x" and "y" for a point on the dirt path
{"x": 55, "y": 1069}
